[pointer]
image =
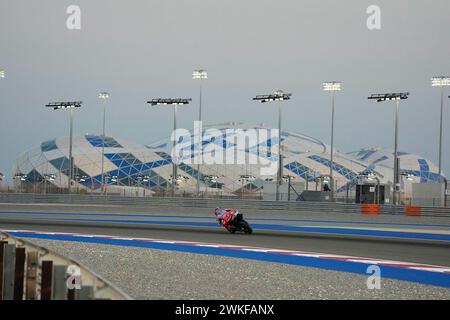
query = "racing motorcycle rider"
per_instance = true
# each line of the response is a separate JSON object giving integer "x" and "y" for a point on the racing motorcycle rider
{"x": 224, "y": 218}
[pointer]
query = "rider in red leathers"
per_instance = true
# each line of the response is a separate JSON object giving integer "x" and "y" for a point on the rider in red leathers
{"x": 224, "y": 217}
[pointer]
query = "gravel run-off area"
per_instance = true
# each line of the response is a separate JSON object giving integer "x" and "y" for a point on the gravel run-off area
{"x": 158, "y": 274}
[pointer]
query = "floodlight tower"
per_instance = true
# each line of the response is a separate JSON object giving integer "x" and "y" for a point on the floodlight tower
{"x": 71, "y": 105}
{"x": 103, "y": 96}
{"x": 279, "y": 96}
{"x": 332, "y": 86}
{"x": 199, "y": 74}
{"x": 396, "y": 97}
{"x": 441, "y": 82}
{"x": 175, "y": 103}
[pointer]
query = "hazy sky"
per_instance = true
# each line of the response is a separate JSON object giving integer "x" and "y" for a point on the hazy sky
{"x": 144, "y": 49}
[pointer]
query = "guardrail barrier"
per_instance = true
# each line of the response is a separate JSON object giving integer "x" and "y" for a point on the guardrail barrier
{"x": 30, "y": 272}
{"x": 181, "y": 202}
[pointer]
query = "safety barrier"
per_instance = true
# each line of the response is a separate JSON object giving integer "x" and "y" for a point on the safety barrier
{"x": 181, "y": 202}
{"x": 411, "y": 210}
{"x": 29, "y": 272}
{"x": 372, "y": 209}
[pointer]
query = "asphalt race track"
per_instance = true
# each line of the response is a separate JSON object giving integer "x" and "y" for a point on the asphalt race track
{"x": 412, "y": 249}
{"x": 421, "y": 240}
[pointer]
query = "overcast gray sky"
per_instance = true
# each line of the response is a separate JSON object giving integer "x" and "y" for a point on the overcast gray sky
{"x": 144, "y": 49}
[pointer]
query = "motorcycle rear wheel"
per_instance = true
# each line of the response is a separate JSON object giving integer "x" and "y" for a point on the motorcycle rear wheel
{"x": 245, "y": 227}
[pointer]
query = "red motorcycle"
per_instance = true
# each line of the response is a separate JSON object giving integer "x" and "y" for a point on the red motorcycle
{"x": 232, "y": 220}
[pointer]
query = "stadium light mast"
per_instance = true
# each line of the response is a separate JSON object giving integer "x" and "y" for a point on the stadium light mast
{"x": 103, "y": 96}
{"x": 395, "y": 97}
{"x": 332, "y": 86}
{"x": 442, "y": 81}
{"x": 199, "y": 74}
{"x": 2, "y": 75}
{"x": 71, "y": 106}
{"x": 175, "y": 103}
{"x": 279, "y": 96}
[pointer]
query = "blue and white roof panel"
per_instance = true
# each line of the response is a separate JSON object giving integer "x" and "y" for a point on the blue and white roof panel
{"x": 128, "y": 162}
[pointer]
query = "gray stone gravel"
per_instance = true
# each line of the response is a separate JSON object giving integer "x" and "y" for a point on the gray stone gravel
{"x": 155, "y": 274}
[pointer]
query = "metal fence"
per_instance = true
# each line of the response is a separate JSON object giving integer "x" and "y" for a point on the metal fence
{"x": 181, "y": 202}
{"x": 290, "y": 195}
{"x": 29, "y": 272}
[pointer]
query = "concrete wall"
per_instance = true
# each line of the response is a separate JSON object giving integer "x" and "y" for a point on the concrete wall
{"x": 269, "y": 190}
{"x": 428, "y": 194}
